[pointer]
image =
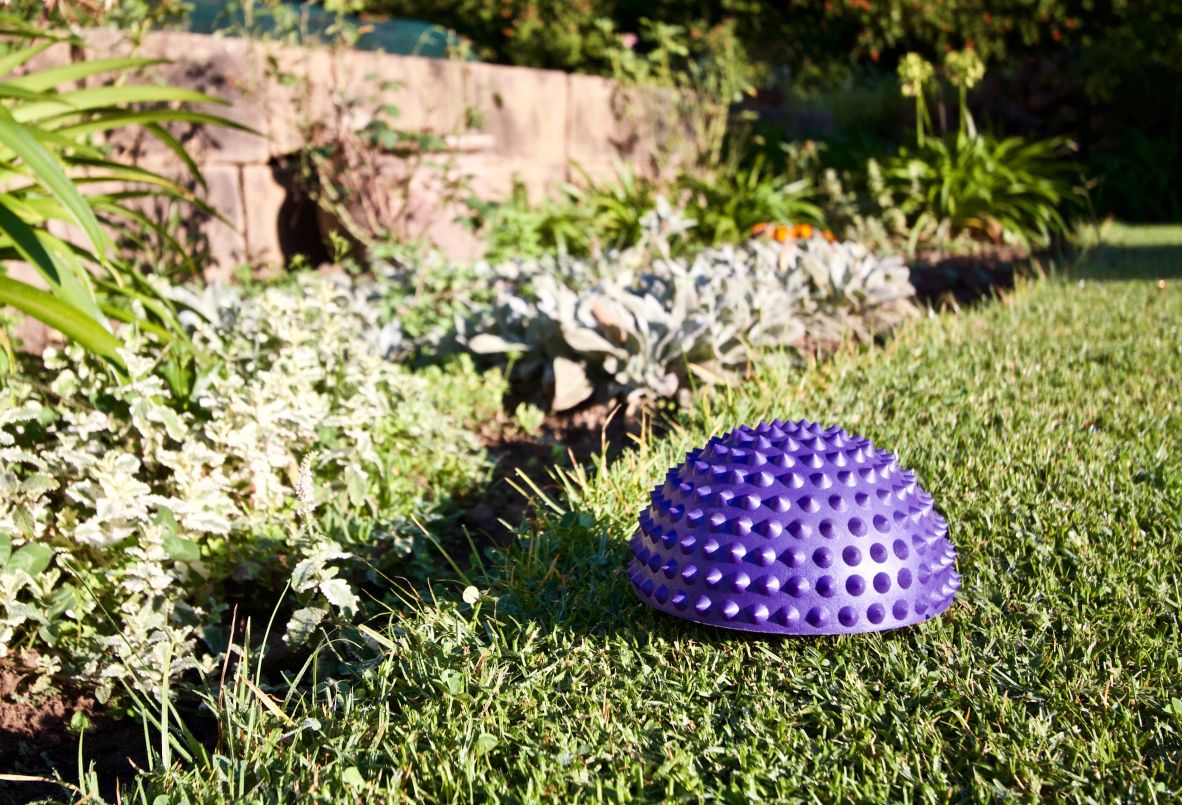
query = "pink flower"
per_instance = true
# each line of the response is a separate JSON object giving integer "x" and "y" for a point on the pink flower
{"x": 629, "y": 40}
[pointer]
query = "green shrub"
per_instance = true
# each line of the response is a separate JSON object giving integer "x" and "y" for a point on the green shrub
{"x": 585, "y": 219}
{"x": 304, "y": 457}
{"x": 723, "y": 205}
{"x": 613, "y": 209}
{"x": 975, "y": 184}
{"x": 987, "y": 188}
{"x": 518, "y": 227}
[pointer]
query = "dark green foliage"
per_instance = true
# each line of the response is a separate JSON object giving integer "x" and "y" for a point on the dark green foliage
{"x": 581, "y": 36}
{"x": 1141, "y": 180}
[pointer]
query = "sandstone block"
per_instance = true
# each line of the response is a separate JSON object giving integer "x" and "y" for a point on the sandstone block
{"x": 226, "y": 240}
{"x": 231, "y": 70}
{"x": 523, "y": 110}
{"x": 298, "y": 95}
{"x": 264, "y": 199}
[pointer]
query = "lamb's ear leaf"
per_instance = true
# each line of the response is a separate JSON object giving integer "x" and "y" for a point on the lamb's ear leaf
{"x": 571, "y": 385}
{"x": 487, "y": 343}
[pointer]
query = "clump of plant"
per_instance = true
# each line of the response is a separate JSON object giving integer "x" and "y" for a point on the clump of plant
{"x": 59, "y": 173}
{"x": 126, "y": 520}
{"x": 592, "y": 218}
{"x": 587, "y": 218}
{"x": 708, "y": 72}
{"x": 729, "y": 202}
{"x": 418, "y": 299}
{"x": 362, "y": 179}
{"x": 644, "y": 324}
{"x": 970, "y": 183}
{"x": 860, "y": 207}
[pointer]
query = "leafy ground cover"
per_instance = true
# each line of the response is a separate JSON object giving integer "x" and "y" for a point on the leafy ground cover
{"x": 129, "y": 527}
{"x": 1047, "y": 427}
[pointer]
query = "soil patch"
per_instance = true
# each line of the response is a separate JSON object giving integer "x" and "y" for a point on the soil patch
{"x": 564, "y": 440}
{"x": 35, "y": 737}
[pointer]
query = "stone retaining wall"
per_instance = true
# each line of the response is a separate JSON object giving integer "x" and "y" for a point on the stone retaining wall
{"x": 529, "y": 125}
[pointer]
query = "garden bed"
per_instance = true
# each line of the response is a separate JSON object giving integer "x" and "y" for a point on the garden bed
{"x": 37, "y": 738}
{"x": 38, "y": 727}
{"x": 357, "y": 532}
{"x": 1049, "y": 448}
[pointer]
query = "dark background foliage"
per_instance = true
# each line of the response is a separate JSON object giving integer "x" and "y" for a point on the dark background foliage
{"x": 1105, "y": 73}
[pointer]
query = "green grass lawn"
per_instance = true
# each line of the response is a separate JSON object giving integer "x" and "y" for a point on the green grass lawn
{"x": 1047, "y": 425}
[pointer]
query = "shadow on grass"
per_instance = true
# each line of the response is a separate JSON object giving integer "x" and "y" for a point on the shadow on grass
{"x": 1118, "y": 261}
{"x": 566, "y": 573}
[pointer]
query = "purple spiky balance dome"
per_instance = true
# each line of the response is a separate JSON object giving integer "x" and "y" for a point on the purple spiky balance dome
{"x": 791, "y": 528}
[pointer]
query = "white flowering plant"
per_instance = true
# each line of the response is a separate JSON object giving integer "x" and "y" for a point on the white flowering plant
{"x": 128, "y": 518}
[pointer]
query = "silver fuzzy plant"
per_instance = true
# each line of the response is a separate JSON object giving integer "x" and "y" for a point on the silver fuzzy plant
{"x": 642, "y": 324}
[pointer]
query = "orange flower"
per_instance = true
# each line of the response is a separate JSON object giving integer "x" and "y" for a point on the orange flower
{"x": 782, "y": 233}
{"x": 804, "y": 231}
{"x": 759, "y": 228}
{"x": 829, "y": 236}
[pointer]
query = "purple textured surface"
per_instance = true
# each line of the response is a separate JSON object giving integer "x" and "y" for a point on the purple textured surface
{"x": 791, "y": 528}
